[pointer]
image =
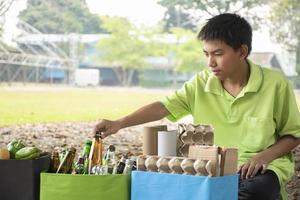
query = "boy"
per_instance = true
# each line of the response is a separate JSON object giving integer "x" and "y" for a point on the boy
{"x": 250, "y": 107}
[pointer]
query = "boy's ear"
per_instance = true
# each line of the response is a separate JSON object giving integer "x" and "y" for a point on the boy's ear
{"x": 243, "y": 51}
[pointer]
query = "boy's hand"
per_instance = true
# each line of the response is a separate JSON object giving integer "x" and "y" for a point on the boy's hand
{"x": 107, "y": 127}
{"x": 253, "y": 166}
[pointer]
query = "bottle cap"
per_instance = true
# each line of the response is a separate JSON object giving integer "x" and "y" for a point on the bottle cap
{"x": 112, "y": 148}
{"x": 98, "y": 134}
{"x": 88, "y": 142}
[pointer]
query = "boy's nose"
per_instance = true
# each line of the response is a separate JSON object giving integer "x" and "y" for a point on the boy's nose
{"x": 211, "y": 62}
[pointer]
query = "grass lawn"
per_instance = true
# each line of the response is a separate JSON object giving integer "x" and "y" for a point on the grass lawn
{"x": 298, "y": 100}
{"x": 33, "y": 105}
{"x": 70, "y": 104}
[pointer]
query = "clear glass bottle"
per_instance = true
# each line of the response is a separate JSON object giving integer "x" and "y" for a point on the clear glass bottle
{"x": 128, "y": 166}
{"x": 109, "y": 159}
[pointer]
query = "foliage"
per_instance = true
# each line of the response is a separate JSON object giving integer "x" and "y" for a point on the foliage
{"x": 189, "y": 56}
{"x": 199, "y": 9}
{"x": 212, "y": 7}
{"x": 176, "y": 18}
{"x": 123, "y": 47}
{"x": 61, "y": 16}
{"x": 285, "y": 20}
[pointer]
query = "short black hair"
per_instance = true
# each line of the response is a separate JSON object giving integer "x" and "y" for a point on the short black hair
{"x": 230, "y": 28}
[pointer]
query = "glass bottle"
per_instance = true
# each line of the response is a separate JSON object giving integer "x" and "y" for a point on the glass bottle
{"x": 128, "y": 166}
{"x": 79, "y": 166}
{"x": 95, "y": 156}
{"x": 85, "y": 155}
{"x": 134, "y": 166}
{"x": 121, "y": 166}
{"x": 54, "y": 161}
{"x": 109, "y": 159}
{"x": 87, "y": 148}
{"x": 66, "y": 164}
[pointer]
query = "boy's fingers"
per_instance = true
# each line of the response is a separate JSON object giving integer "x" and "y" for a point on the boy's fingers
{"x": 251, "y": 168}
{"x": 257, "y": 168}
{"x": 264, "y": 168}
{"x": 244, "y": 170}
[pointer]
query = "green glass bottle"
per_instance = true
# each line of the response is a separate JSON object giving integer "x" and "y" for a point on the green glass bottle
{"x": 85, "y": 156}
{"x": 79, "y": 166}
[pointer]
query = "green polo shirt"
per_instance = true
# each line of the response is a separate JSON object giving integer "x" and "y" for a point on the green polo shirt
{"x": 264, "y": 110}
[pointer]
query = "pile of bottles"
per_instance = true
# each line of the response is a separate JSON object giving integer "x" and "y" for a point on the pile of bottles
{"x": 91, "y": 160}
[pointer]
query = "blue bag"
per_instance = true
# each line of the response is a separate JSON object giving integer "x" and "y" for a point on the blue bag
{"x": 162, "y": 186}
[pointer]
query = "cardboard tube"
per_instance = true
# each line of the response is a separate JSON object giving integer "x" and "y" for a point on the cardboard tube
{"x": 150, "y": 139}
{"x": 167, "y": 143}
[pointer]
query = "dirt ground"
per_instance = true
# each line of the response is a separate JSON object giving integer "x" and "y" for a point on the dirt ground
{"x": 128, "y": 141}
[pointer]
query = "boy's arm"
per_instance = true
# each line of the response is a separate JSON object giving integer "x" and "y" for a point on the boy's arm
{"x": 148, "y": 113}
{"x": 284, "y": 145}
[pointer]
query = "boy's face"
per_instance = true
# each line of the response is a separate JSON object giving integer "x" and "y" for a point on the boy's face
{"x": 222, "y": 59}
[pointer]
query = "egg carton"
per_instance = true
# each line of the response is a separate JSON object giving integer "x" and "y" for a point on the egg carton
{"x": 175, "y": 165}
{"x": 190, "y": 134}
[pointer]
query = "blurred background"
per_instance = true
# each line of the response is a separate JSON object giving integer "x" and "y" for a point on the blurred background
{"x": 134, "y": 42}
{"x": 91, "y": 52}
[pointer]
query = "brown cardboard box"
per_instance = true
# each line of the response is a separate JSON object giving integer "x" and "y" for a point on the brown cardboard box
{"x": 229, "y": 161}
{"x": 206, "y": 153}
{"x": 224, "y": 160}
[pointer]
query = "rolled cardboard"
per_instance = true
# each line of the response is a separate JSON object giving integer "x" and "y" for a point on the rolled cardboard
{"x": 167, "y": 143}
{"x": 150, "y": 139}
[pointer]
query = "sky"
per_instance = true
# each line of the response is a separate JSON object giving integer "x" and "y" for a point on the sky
{"x": 146, "y": 12}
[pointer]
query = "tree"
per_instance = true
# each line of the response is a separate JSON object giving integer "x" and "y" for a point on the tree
{"x": 204, "y": 8}
{"x": 176, "y": 18}
{"x": 61, "y": 16}
{"x": 188, "y": 54}
{"x": 212, "y": 7}
{"x": 128, "y": 47}
{"x": 285, "y": 20}
{"x": 123, "y": 49}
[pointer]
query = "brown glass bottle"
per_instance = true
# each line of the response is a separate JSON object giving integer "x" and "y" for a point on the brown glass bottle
{"x": 54, "y": 161}
{"x": 66, "y": 166}
{"x": 95, "y": 157}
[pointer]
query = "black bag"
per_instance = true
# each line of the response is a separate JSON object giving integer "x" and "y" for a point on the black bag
{"x": 20, "y": 179}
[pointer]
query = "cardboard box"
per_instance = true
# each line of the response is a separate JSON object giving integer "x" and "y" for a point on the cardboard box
{"x": 229, "y": 161}
{"x": 206, "y": 153}
{"x": 225, "y": 160}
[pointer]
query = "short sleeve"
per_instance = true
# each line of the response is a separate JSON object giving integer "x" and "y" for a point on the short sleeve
{"x": 287, "y": 115}
{"x": 179, "y": 103}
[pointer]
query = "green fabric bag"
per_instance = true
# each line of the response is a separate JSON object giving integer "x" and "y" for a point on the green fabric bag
{"x": 84, "y": 187}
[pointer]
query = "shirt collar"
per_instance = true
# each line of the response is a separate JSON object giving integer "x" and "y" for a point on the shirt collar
{"x": 213, "y": 84}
